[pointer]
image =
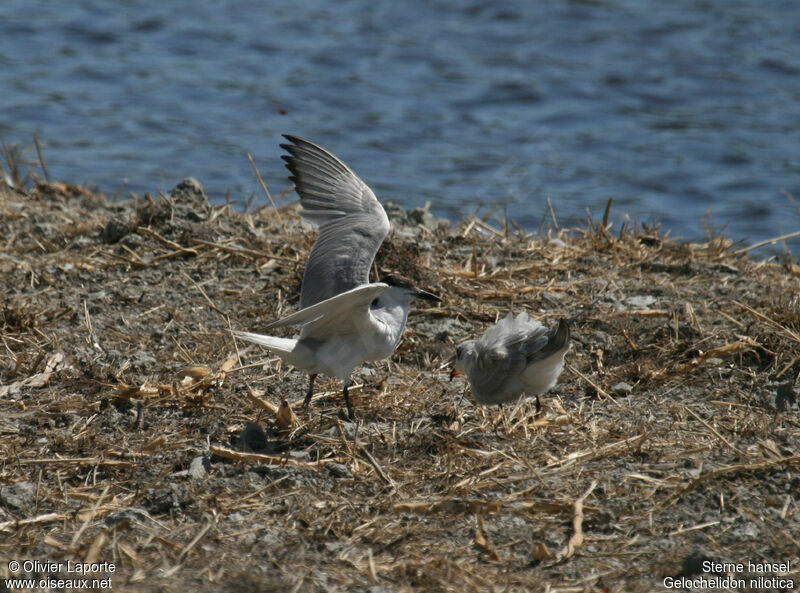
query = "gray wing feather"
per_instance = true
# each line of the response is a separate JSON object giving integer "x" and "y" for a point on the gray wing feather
{"x": 352, "y": 222}
{"x": 505, "y": 350}
{"x": 518, "y": 335}
{"x": 344, "y": 310}
{"x": 491, "y": 376}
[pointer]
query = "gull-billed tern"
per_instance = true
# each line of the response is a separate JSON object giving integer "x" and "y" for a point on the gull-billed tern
{"x": 344, "y": 320}
{"x": 514, "y": 357}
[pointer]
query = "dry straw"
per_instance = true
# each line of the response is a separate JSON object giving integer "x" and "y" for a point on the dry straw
{"x": 123, "y": 401}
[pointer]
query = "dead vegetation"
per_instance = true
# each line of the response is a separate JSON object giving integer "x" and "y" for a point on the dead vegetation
{"x": 134, "y": 430}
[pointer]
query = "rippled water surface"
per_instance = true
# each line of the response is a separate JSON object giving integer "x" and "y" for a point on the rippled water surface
{"x": 673, "y": 108}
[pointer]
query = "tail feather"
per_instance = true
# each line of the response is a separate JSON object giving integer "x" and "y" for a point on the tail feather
{"x": 283, "y": 347}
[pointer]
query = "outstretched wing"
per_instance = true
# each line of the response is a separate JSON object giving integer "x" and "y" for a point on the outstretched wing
{"x": 344, "y": 312}
{"x": 352, "y": 222}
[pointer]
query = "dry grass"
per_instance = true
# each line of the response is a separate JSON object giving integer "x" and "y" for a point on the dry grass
{"x": 124, "y": 403}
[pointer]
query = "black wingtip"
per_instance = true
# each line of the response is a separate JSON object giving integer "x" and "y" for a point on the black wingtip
{"x": 290, "y": 163}
{"x": 561, "y": 337}
{"x": 286, "y": 147}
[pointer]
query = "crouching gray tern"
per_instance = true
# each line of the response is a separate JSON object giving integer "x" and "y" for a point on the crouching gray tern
{"x": 516, "y": 356}
{"x": 344, "y": 320}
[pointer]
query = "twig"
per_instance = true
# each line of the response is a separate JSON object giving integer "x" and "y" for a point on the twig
{"x": 46, "y": 518}
{"x": 373, "y": 462}
{"x": 137, "y": 263}
{"x": 263, "y": 185}
{"x": 91, "y": 516}
{"x": 739, "y": 467}
{"x": 197, "y": 538}
{"x": 76, "y": 461}
{"x": 243, "y": 251}
{"x": 642, "y": 312}
{"x": 606, "y": 213}
{"x": 552, "y": 212}
{"x": 41, "y": 158}
{"x": 342, "y": 436}
{"x": 712, "y": 429}
{"x": 260, "y": 402}
{"x": 166, "y": 242}
{"x": 790, "y": 197}
{"x": 93, "y": 553}
{"x": 468, "y": 228}
{"x": 767, "y": 242}
{"x": 90, "y": 339}
{"x": 693, "y": 528}
{"x": 482, "y": 540}
{"x": 772, "y": 322}
{"x": 269, "y": 459}
{"x": 461, "y": 506}
{"x": 600, "y": 391}
{"x": 577, "y": 524}
{"x": 593, "y": 453}
{"x": 205, "y": 296}
{"x": 489, "y": 229}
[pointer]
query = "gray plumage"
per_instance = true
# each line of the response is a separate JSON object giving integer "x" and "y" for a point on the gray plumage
{"x": 516, "y": 356}
{"x": 352, "y": 223}
{"x": 344, "y": 320}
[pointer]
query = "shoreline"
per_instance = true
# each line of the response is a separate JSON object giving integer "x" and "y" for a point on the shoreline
{"x": 124, "y": 404}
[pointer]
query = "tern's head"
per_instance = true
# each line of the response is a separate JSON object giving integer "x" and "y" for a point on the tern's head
{"x": 404, "y": 289}
{"x": 465, "y": 358}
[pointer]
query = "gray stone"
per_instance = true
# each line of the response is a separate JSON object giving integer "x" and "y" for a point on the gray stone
{"x": 199, "y": 467}
{"x": 640, "y": 301}
{"x": 622, "y": 388}
{"x": 190, "y": 200}
{"x": 421, "y": 217}
{"x": 116, "y": 229}
{"x": 338, "y": 470}
{"x": 348, "y": 428}
{"x": 20, "y": 496}
{"x": 162, "y": 500}
{"x": 125, "y": 515}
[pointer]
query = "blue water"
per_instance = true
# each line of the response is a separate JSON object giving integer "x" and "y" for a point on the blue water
{"x": 676, "y": 109}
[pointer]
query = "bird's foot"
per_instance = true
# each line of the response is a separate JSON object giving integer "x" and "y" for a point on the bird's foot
{"x": 538, "y": 412}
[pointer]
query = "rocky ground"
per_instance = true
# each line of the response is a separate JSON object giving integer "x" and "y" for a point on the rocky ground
{"x": 135, "y": 431}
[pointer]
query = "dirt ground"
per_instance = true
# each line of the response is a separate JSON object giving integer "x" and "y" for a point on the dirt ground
{"x": 134, "y": 431}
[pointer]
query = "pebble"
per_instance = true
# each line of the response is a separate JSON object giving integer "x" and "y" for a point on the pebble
{"x": 20, "y": 496}
{"x": 348, "y": 428}
{"x": 640, "y": 301}
{"x": 622, "y": 388}
{"x": 338, "y": 470}
{"x": 126, "y": 514}
{"x": 199, "y": 467}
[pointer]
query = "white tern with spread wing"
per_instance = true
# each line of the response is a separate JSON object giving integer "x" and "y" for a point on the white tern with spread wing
{"x": 344, "y": 319}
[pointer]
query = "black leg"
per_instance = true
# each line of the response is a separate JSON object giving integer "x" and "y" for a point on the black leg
{"x": 538, "y": 405}
{"x": 310, "y": 392}
{"x": 350, "y": 412}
